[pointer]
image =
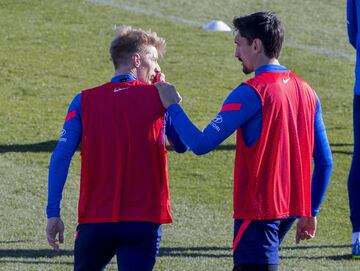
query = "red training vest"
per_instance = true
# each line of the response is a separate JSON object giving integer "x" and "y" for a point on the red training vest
{"x": 123, "y": 159}
{"x": 272, "y": 178}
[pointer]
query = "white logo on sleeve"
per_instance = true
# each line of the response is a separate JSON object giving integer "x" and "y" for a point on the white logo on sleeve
{"x": 63, "y": 132}
{"x": 63, "y": 139}
{"x": 218, "y": 119}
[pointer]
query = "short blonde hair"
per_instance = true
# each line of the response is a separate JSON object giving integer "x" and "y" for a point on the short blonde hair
{"x": 128, "y": 41}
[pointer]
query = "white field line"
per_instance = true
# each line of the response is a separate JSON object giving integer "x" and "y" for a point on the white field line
{"x": 289, "y": 43}
{"x": 147, "y": 12}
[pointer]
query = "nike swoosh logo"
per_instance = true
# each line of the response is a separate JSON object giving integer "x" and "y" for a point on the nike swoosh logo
{"x": 286, "y": 80}
{"x": 119, "y": 89}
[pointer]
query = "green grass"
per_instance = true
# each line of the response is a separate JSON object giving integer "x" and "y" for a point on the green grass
{"x": 50, "y": 50}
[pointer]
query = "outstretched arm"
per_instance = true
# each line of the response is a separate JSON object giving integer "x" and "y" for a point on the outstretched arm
{"x": 239, "y": 107}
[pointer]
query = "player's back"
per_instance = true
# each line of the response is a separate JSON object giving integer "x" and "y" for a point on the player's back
{"x": 124, "y": 164}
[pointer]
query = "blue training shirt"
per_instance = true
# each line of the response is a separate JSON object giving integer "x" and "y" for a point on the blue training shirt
{"x": 353, "y": 13}
{"x": 69, "y": 141}
{"x": 242, "y": 108}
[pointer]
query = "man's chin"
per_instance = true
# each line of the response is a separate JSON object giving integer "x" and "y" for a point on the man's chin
{"x": 246, "y": 71}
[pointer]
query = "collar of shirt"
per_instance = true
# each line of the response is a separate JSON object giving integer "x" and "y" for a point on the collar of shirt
{"x": 271, "y": 68}
{"x": 122, "y": 78}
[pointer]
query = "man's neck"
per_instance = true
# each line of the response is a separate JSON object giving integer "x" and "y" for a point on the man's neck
{"x": 266, "y": 61}
{"x": 126, "y": 70}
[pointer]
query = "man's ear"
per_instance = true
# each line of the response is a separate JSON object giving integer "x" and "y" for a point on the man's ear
{"x": 257, "y": 45}
{"x": 136, "y": 60}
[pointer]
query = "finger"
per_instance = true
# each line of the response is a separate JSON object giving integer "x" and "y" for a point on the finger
{"x": 56, "y": 247}
{"x": 50, "y": 238}
{"x": 312, "y": 231}
{"x": 53, "y": 243}
{"x": 298, "y": 236}
{"x": 162, "y": 77}
{"x": 302, "y": 236}
{"x": 61, "y": 237}
{"x": 309, "y": 235}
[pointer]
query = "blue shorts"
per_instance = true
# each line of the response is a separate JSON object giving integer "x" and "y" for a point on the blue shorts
{"x": 135, "y": 245}
{"x": 258, "y": 241}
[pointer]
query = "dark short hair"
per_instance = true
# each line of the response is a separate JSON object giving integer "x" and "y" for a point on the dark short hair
{"x": 264, "y": 26}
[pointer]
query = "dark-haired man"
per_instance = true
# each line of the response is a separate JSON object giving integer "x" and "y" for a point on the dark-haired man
{"x": 279, "y": 125}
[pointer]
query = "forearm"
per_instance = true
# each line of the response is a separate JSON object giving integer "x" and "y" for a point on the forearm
{"x": 58, "y": 171}
{"x": 173, "y": 137}
{"x": 322, "y": 162}
{"x": 198, "y": 141}
{"x": 320, "y": 182}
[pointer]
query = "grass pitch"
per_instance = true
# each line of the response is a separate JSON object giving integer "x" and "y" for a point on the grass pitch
{"x": 50, "y": 50}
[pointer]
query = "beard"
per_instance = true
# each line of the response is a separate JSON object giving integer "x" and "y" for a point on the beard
{"x": 246, "y": 70}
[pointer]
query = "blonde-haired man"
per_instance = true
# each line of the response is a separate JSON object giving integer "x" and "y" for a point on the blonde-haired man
{"x": 124, "y": 193}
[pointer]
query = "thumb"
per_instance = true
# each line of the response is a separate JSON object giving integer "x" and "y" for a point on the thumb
{"x": 162, "y": 77}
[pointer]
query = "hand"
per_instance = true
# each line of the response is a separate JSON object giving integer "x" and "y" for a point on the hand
{"x": 305, "y": 228}
{"x": 168, "y": 94}
{"x": 159, "y": 77}
{"x": 55, "y": 228}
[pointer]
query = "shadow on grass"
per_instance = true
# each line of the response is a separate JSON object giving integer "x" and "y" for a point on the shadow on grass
{"x": 36, "y": 262}
{"x": 315, "y": 246}
{"x": 193, "y": 252}
{"x": 324, "y": 257}
{"x": 225, "y": 252}
{"x": 335, "y": 148}
{"x": 46, "y": 146}
{"x": 15, "y": 241}
{"x": 49, "y": 146}
{"x": 34, "y": 253}
{"x": 186, "y": 252}
{"x": 318, "y": 257}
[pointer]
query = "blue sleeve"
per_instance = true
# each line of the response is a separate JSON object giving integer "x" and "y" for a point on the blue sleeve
{"x": 174, "y": 139}
{"x": 240, "y": 106}
{"x": 322, "y": 162}
{"x": 352, "y": 27}
{"x": 60, "y": 160}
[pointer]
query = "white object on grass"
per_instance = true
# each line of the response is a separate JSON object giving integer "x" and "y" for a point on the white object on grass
{"x": 217, "y": 26}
